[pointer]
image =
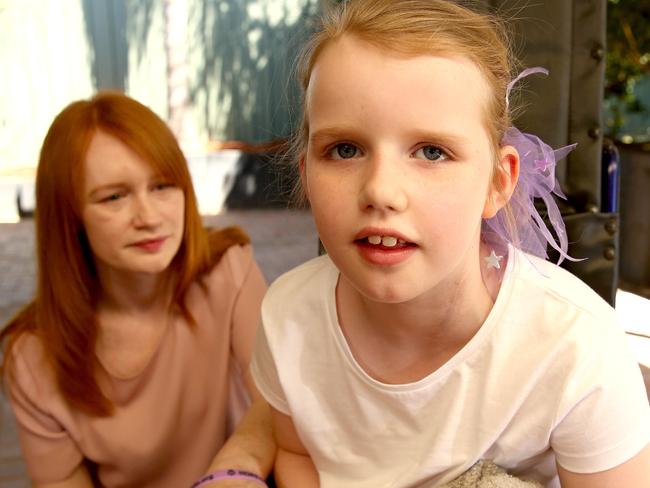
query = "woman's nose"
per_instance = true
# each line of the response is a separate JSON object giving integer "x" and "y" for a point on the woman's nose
{"x": 382, "y": 186}
{"x": 145, "y": 211}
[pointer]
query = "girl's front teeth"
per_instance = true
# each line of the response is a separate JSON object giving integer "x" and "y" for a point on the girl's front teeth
{"x": 386, "y": 241}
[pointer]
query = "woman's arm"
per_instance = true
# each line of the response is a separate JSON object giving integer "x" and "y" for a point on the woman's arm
{"x": 293, "y": 466}
{"x": 634, "y": 473}
{"x": 78, "y": 479}
{"x": 252, "y": 446}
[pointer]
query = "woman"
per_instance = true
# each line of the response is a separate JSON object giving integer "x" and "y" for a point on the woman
{"x": 130, "y": 365}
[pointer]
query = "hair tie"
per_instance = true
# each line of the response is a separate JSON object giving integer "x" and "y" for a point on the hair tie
{"x": 536, "y": 180}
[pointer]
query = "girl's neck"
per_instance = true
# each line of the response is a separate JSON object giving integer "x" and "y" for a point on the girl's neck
{"x": 405, "y": 342}
{"x": 449, "y": 316}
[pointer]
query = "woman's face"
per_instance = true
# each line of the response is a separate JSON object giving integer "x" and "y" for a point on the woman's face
{"x": 133, "y": 217}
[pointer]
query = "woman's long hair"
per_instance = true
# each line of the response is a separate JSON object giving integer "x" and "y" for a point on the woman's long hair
{"x": 63, "y": 312}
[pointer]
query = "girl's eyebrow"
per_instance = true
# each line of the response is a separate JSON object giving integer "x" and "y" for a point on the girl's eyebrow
{"x": 421, "y": 135}
{"x": 439, "y": 137}
{"x": 330, "y": 133}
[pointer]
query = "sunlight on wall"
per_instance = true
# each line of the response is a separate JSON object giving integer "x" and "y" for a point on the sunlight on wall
{"x": 147, "y": 63}
{"x": 45, "y": 59}
{"x": 240, "y": 61}
{"x": 276, "y": 11}
{"x": 235, "y": 60}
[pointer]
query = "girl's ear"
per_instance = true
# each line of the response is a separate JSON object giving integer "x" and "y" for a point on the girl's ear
{"x": 504, "y": 181}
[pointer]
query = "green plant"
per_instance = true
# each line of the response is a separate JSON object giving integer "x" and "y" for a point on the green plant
{"x": 628, "y": 62}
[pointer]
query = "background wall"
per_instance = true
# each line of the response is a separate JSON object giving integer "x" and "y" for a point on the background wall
{"x": 216, "y": 69}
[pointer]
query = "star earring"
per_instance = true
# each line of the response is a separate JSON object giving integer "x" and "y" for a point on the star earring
{"x": 493, "y": 260}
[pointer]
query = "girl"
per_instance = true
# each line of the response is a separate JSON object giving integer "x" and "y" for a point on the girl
{"x": 430, "y": 337}
{"x": 130, "y": 366}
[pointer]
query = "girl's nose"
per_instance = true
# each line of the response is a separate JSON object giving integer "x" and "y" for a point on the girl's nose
{"x": 145, "y": 212}
{"x": 381, "y": 186}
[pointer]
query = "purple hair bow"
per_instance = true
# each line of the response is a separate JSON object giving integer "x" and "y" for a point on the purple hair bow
{"x": 536, "y": 180}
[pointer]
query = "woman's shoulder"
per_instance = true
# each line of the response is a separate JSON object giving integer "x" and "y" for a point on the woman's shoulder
{"x": 221, "y": 240}
{"x": 231, "y": 254}
{"x": 231, "y": 265}
{"x": 28, "y": 367}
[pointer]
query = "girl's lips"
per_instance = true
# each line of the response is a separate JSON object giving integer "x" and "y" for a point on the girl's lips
{"x": 382, "y": 255}
{"x": 150, "y": 245}
{"x": 378, "y": 231}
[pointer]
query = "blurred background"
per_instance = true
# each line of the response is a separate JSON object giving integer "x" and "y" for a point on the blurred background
{"x": 217, "y": 71}
{"x": 220, "y": 73}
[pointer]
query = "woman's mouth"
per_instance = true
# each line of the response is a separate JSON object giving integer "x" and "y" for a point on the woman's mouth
{"x": 150, "y": 245}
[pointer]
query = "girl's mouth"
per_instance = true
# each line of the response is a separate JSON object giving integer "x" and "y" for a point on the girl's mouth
{"x": 384, "y": 250}
{"x": 383, "y": 242}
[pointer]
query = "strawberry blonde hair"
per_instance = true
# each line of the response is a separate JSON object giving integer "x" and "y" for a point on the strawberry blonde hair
{"x": 63, "y": 312}
{"x": 412, "y": 28}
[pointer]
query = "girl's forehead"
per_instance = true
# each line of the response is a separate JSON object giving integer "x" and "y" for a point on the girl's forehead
{"x": 352, "y": 76}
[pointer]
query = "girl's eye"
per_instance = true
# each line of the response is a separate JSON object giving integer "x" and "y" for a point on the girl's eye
{"x": 344, "y": 150}
{"x": 431, "y": 153}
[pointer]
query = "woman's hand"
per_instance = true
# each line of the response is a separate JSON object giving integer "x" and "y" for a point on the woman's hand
{"x": 78, "y": 479}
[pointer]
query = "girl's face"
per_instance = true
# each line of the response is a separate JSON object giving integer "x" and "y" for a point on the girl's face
{"x": 397, "y": 169}
{"x": 133, "y": 218}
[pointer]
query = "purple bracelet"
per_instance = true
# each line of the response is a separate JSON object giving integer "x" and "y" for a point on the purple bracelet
{"x": 229, "y": 474}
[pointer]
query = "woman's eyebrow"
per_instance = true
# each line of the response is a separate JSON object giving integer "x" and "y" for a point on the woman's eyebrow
{"x": 108, "y": 186}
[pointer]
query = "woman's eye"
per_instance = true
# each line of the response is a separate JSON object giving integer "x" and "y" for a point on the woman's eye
{"x": 162, "y": 186}
{"x": 431, "y": 153}
{"x": 344, "y": 151}
{"x": 112, "y": 198}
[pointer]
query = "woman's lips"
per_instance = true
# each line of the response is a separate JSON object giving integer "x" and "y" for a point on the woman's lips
{"x": 150, "y": 245}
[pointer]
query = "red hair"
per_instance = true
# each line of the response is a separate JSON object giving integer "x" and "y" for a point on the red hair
{"x": 62, "y": 313}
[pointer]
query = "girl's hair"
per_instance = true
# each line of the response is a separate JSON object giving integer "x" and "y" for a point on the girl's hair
{"x": 416, "y": 27}
{"x": 63, "y": 312}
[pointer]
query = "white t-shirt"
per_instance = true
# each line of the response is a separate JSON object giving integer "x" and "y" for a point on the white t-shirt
{"x": 548, "y": 376}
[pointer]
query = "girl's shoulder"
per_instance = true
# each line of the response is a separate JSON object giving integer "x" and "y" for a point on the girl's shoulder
{"x": 557, "y": 280}
{"x": 304, "y": 292}
{"x": 308, "y": 278}
{"x": 544, "y": 289}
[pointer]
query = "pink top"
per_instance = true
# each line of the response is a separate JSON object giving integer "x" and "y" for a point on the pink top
{"x": 171, "y": 419}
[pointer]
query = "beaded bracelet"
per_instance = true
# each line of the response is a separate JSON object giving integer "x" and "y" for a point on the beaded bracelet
{"x": 233, "y": 474}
